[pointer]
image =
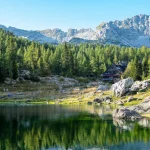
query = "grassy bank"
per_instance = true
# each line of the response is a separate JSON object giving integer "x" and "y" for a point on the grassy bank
{"x": 42, "y": 93}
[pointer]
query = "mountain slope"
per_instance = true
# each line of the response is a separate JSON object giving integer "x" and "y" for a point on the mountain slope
{"x": 133, "y": 31}
{"x": 61, "y": 36}
{"x": 31, "y": 35}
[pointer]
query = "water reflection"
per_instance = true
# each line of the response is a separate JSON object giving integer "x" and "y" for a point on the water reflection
{"x": 78, "y": 128}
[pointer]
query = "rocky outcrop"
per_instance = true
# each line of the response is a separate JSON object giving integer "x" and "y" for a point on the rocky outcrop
{"x": 125, "y": 113}
{"x": 122, "y": 87}
{"x": 133, "y": 112}
{"x": 83, "y": 35}
{"x": 106, "y": 99}
{"x": 98, "y": 100}
{"x": 27, "y": 75}
{"x": 129, "y": 86}
{"x": 102, "y": 88}
{"x": 59, "y": 81}
{"x": 143, "y": 107}
{"x": 133, "y": 31}
{"x": 140, "y": 86}
{"x": 9, "y": 81}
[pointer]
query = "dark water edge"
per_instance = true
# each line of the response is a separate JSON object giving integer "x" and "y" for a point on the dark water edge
{"x": 56, "y": 127}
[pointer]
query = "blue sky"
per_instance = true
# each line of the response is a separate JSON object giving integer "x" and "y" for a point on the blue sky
{"x": 65, "y": 14}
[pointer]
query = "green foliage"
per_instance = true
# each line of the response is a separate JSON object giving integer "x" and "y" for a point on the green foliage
{"x": 78, "y": 132}
{"x": 136, "y": 69}
{"x": 86, "y": 60}
{"x": 82, "y": 79}
{"x": 127, "y": 71}
{"x": 145, "y": 68}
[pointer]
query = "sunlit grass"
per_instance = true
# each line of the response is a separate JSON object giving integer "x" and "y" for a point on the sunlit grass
{"x": 146, "y": 115}
{"x": 74, "y": 95}
{"x": 135, "y": 102}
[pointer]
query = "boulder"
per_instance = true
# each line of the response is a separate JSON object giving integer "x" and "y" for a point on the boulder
{"x": 102, "y": 88}
{"x": 27, "y": 75}
{"x": 98, "y": 100}
{"x": 9, "y": 81}
{"x": 125, "y": 113}
{"x": 143, "y": 107}
{"x": 122, "y": 87}
{"x": 140, "y": 86}
{"x": 107, "y": 99}
{"x": 20, "y": 79}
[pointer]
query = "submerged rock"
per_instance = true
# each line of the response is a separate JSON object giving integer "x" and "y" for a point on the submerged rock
{"x": 144, "y": 122}
{"x": 125, "y": 113}
{"x": 128, "y": 125}
{"x": 123, "y": 124}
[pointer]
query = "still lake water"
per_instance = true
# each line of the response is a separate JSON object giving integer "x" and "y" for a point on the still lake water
{"x": 69, "y": 127}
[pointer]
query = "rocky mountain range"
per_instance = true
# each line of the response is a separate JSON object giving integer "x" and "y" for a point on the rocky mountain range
{"x": 133, "y": 31}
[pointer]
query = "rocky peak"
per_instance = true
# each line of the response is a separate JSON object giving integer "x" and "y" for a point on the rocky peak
{"x": 133, "y": 31}
{"x": 72, "y": 32}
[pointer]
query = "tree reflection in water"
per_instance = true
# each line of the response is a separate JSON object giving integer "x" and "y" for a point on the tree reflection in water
{"x": 81, "y": 130}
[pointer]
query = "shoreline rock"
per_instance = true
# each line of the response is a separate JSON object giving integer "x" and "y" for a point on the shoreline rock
{"x": 140, "y": 85}
{"x": 125, "y": 113}
{"x": 143, "y": 107}
{"x": 133, "y": 112}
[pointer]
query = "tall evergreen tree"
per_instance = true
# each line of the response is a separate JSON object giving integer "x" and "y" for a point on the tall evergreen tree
{"x": 145, "y": 68}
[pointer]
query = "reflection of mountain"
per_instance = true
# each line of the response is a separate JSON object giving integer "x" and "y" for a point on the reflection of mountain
{"x": 80, "y": 131}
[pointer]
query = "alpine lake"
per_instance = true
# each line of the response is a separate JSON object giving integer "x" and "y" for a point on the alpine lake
{"x": 60, "y": 127}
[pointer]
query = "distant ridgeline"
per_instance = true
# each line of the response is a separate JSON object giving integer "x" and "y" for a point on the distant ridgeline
{"x": 85, "y": 60}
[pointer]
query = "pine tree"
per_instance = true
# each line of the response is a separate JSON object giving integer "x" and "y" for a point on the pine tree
{"x": 136, "y": 69}
{"x": 145, "y": 68}
{"x": 65, "y": 60}
{"x": 11, "y": 62}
